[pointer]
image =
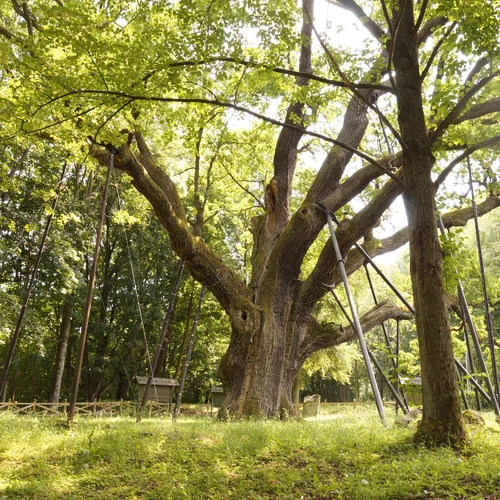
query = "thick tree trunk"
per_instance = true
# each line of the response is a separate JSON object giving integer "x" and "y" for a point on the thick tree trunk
{"x": 62, "y": 347}
{"x": 258, "y": 383}
{"x": 268, "y": 347}
{"x": 442, "y": 420}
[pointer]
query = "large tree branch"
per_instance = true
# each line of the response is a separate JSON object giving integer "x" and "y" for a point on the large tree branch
{"x": 367, "y": 22}
{"x": 460, "y": 106}
{"x": 6, "y": 33}
{"x": 25, "y": 12}
{"x": 429, "y": 27}
{"x": 347, "y": 234}
{"x": 204, "y": 265}
{"x": 480, "y": 64}
{"x": 323, "y": 336}
{"x": 461, "y": 216}
{"x": 326, "y": 184}
{"x": 160, "y": 178}
{"x": 325, "y": 273}
{"x": 279, "y": 190}
{"x": 479, "y": 110}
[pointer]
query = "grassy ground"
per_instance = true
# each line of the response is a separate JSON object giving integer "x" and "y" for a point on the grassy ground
{"x": 344, "y": 455}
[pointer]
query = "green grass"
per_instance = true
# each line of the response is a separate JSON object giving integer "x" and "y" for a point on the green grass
{"x": 344, "y": 455}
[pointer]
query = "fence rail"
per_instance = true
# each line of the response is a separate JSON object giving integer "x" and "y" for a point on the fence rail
{"x": 125, "y": 408}
{"x": 106, "y": 408}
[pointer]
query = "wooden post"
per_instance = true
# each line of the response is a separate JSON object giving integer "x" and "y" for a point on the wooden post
{"x": 355, "y": 320}
{"x": 90, "y": 293}
{"x": 356, "y": 380}
{"x": 188, "y": 355}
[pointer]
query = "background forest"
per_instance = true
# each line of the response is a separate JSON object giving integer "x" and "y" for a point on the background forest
{"x": 136, "y": 253}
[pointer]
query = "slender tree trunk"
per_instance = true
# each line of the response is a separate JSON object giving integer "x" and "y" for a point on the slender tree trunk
{"x": 122, "y": 388}
{"x": 162, "y": 360}
{"x": 442, "y": 420}
{"x": 297, "y": 383}
{"x": 186, "y": 333}
{"x": 62, "y": 346}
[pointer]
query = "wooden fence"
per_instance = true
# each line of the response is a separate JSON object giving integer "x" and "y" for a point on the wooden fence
{"x": 126, "y": 408}
{"x": 96, "y": 409}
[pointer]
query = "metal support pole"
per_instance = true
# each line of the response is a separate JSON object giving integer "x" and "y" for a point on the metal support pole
{"x": 188, "y": 355}
{"x": 477, "y": 345}
{"x": 468, "y": 319}
{"x": 394, "y": 361}
{"x": 364, "y": 349}
{"x": 384, "y": 277}
{"x": 489, "y": 324}
{"x": 399, "y": 401}
{"x": 163, "y": 333}
{"x": 469, "y": 364}
{"x": 474, "y": 382}
{"x": 462, "y": 392}
{"x": 399, "y": 386}
{"x": 90, "y": 293}
{"x": 31, "y": 284}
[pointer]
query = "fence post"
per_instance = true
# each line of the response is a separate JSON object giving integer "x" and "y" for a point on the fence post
{"x": 34, "y": 406}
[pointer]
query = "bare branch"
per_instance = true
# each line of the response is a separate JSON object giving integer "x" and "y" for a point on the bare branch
{"x": 435, "y": 50}
{"x": 481, "y": 145}
{"x": 367, "y": 22}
